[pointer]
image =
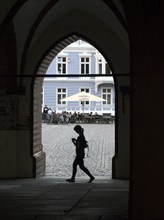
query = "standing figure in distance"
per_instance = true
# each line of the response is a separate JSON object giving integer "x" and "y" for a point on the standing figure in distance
{"x": 80, "y": 154}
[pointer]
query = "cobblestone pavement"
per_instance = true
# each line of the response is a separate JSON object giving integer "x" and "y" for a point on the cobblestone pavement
{"x": 60, "y": 151}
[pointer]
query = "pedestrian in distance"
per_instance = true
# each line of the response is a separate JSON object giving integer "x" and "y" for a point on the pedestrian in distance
{"x": 80, "y": 145}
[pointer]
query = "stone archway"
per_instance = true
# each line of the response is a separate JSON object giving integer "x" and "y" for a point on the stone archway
{"x": 38, "y": 153}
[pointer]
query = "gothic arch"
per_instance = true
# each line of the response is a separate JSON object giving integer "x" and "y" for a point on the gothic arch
{"x": 36, "y": 88}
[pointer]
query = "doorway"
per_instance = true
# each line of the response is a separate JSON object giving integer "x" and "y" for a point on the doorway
{"x": 38, "y": 148}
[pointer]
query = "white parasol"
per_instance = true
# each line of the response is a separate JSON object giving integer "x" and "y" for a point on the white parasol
{"x": 83, "y": 97}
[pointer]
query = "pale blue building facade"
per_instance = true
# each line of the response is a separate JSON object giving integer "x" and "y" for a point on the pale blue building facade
{"x": 68, "y": 70}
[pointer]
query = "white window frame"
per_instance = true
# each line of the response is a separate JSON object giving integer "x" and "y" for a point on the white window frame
{"x": 102, "y": 93}
{"x": 62, "y": 55}
{"x": 85, "y": 55}
{"x": 100, "y": 60}
{"x": 87, "y": 103}
{"x": 62, "y": 93}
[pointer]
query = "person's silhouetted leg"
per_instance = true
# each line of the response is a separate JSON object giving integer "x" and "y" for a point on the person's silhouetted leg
{"x": 82, "y": 167}
{"x": 75, "y": 163}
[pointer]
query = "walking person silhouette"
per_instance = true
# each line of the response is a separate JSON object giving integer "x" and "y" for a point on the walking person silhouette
{"x": 79, "y": 143}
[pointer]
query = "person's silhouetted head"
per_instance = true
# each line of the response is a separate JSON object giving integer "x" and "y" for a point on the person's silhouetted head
{"x": 78, "y": 129}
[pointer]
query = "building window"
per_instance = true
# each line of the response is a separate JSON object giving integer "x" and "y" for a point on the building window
{"x": 100, "y": 66}
{"x": 106, "y": 94}
{"x": 61, "y": 65}
{"x": 85, "y": 65}
{"x": 107, "y": 68}
{"x": 85, "y": 90}
{"x": 61, "y": 94}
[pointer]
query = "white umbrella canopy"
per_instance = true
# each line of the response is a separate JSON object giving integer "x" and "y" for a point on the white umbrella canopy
{"x": 83, "y": 97}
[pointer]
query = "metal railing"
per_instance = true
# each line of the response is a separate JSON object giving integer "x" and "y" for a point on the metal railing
{"x": 86, "y": 109}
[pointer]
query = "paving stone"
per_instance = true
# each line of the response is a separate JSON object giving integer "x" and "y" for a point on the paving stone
{"x": 60, "y": 151}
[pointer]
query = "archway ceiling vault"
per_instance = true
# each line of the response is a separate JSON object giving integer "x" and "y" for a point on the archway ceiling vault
{"x": 91, "y": 28}
{"x": 32, "y": 18}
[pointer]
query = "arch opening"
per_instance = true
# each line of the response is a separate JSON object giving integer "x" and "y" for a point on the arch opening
{"x": 38, "y": 151}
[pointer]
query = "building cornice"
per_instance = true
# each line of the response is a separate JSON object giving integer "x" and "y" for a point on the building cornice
{"x": 97, "y": 80}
